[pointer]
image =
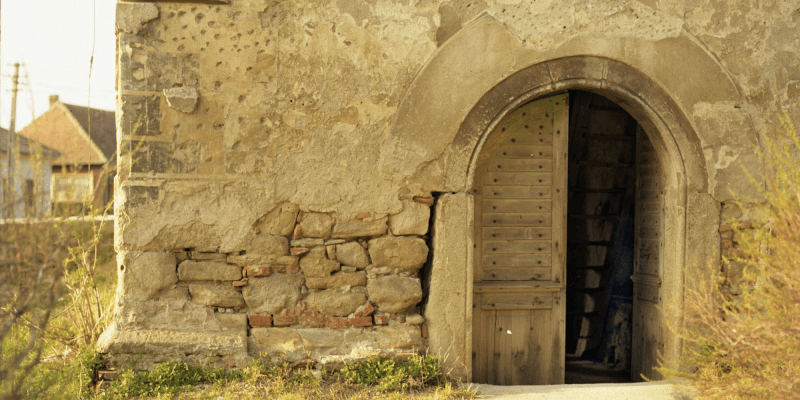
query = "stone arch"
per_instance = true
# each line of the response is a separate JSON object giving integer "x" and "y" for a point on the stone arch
{"x": 481, "y": 74}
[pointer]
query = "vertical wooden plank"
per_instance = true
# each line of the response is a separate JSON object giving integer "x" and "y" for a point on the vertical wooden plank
{"x": 490, "y": 317}
{"x": 521, "y": 346}
{"x": 541, "y": 352}
{"x": 559, "y": 260}
{"x": 503, "y": 344}
{"x": 478, "y": 338}
{"x": 559, "y": 213}
{"x": 478, "y": 239}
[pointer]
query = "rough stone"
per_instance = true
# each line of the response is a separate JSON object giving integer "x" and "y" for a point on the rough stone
{"x": 414, "y": 319}
{"x": 338, "y": 280}
{"x": 208, "y": 271}
{"x": 182, "y": 98}
{"x": 176, "y": 293}
{"x": 280, "y": 221}
{"x": 131, "y": 17}
{"x": 271, "y": 294}
{"x": 216, "y": 295}
{"x": 398, "y": 252}
{"x": 143, "y": 274}
{"x": 277, "y": 263}
{"x": 316, "y": 225}
{"x": 265, "y": 243}
{"x": 232, "y": 321}
{"x": 315, "y": 264}
{"x": 308, "y": 242}
{"x": 352, "y": 254}
{"x": 337, "y": 304}
{"x": 393, "y": 294}
{"x": 359, "y": 228}
{"x": 413, "y": 220}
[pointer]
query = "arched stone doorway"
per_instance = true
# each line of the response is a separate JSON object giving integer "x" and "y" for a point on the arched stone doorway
{"x": 451, "y": 141}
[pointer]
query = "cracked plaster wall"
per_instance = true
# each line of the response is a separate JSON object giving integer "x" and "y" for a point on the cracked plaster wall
{"x": 297, "y": 100}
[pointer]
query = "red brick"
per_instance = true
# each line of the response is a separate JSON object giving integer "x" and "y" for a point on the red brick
{"x": 727, "y": 244}
{"x": 182, "y": 256}
{"x": 260, "y": 320}
{"x": 363, "y": 215}
{"x": 302, "y": 305}
{"x": 363, "y": 321}
{"x": 381, "y": 320}
{"x": 296, "y": 251}
{"x": 363, "y": 244}
{"x": 242, "y": 282}
{"x": 724, "y": 228}
{"x": 284, "y": 320}
{"x": 299, "y": 216}
{"x": 313, "y": 320}
{"x": 424, "y": 200}
{"x": 293, "y": 269}
{"x": 336, "y": 322}
{"x": 296, "y": 233}
{"x": 365, "y": 310}
{"x": 425, "y": 331}
{"x": 746, "y": 225}
{"x": 259, "y": 271}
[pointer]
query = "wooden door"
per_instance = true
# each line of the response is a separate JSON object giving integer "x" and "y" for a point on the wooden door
{"x": 520, "y": 248}
{"x": 648, "y": 337}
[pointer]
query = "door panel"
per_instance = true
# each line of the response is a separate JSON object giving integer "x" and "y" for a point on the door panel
{"x": 648, "y": 339}
{"x": 520, "y": 249}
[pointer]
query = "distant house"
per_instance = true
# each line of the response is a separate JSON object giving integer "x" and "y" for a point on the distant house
{"x": 34, "y": 164}
{"x": 86, "y": 139}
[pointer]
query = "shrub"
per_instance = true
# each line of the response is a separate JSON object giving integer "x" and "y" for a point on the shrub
{"x": 743, "y": 335}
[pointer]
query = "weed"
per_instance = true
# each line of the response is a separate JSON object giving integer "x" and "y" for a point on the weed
{"x": 390, "y": 374}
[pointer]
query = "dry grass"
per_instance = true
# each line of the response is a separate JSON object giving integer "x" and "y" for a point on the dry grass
{"x": 744, "y": 340}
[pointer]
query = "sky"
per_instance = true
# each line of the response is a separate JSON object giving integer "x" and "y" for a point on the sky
{"x": 53, "y": 39}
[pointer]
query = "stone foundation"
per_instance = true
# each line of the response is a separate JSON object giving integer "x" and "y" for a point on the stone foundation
{"x": 327, "y": 291}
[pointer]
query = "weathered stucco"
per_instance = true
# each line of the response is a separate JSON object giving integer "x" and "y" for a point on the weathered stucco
{"x": 248, "y": 126}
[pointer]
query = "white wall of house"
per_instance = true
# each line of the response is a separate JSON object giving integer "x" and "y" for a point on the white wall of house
{"x": 30, "y": 177}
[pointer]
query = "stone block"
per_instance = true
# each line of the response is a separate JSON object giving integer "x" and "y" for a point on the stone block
{"x": 398, "y": 252}
{"x": 352, "y": 254}
{"x": 216, "y": 295}
{"x": 265, "y": 243}
{"x": 316, "y": 264}
{"x": 308, "y": 242}
{"x": 231, "y": 321}
{"x": 280, "y": 221}
{"x": 217, "y": 257}
{"x": 337, "y": 281}
{"x": 277, "y": 263}
{"x": 413, "y": 220}
{"x": 208, "y": 271}
{"x": 182, "y": 98}
{"x": 143, "y": 274}
{"x": 393, "y": 294}
{"x": 414, "y": 319}
{"x": 334, "y": 303}
{"x": 176, "y": 293}
{"x": 257, "y": 271}
{"x": 131, "y": 17}
{"x": 316, "y": 225}
{"x": 359, "y": 228}
{"x": 271, "y": 294}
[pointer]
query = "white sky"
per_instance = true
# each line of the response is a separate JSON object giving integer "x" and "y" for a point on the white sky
{"x": 53, "y": 38}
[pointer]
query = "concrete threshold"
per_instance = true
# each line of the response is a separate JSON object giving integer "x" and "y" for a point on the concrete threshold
{"x": 664, "y": 390}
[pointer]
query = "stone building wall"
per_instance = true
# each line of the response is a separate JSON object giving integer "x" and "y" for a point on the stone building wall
{"x": 268, "y": 168}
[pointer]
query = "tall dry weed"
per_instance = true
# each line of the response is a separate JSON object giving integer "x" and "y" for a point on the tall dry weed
{"x": 742, "y": 332}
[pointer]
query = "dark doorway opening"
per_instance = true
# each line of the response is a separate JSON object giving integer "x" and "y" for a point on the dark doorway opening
{"x": 600, "y": 235}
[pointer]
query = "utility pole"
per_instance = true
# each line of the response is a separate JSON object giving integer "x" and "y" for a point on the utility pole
{"x": 12, "y": 192}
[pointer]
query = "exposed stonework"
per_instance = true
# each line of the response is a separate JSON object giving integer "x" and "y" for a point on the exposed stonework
{"x": 236, "y": 116}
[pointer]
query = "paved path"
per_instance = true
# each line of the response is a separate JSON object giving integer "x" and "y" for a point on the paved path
{"x": 598, "y": 391}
